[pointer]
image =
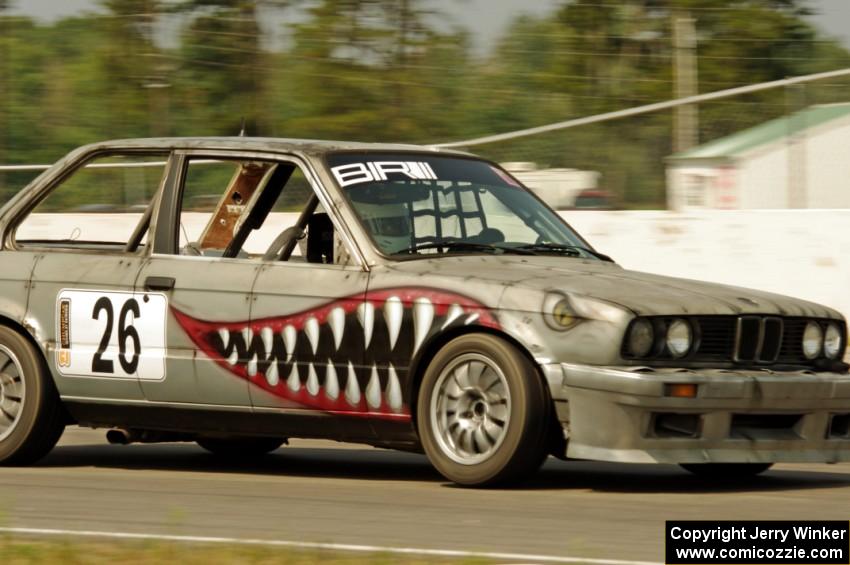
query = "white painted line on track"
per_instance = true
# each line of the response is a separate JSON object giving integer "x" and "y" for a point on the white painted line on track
{"x": 325, "y": 546}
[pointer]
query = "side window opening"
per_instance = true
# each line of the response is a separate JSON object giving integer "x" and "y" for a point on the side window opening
{"x": 102, "y": 205}
{"x": 238, "y": 208}
{"x": 217, "y": 196}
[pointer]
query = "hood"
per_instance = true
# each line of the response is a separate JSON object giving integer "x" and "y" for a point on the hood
{"x": 641, "y": 293}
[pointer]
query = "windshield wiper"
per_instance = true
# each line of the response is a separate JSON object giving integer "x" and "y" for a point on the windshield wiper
{"x": 572, "y": 250}
{"x": 465, "y": 246}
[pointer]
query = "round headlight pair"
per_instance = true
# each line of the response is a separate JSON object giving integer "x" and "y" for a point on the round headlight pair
{"x": 817, "y": 341}
{"x": 678, "y": 339}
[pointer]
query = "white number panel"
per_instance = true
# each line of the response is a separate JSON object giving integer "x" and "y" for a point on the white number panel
{"x": 111, "y": 334}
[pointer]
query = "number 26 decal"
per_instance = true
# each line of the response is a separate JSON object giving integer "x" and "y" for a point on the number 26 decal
{"x": 111, "y": 334}
{"x": 125, "y": 331}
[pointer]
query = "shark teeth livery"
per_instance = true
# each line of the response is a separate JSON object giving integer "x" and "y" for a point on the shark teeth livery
{"x": 348, "y": 356}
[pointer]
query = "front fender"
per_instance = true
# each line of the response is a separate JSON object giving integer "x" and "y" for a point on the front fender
{"x": 594, "y": 338}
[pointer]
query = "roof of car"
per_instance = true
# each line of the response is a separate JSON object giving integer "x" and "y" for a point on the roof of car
{"x": 314, "y": 146}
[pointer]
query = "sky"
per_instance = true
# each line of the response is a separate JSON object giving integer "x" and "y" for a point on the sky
{"x": 486, "y": 19}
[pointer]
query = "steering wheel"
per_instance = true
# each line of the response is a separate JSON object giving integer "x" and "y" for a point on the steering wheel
{"x": 283, "y": 245}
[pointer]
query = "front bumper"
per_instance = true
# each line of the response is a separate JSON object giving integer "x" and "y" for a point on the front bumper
{"x": 737, "y": 416}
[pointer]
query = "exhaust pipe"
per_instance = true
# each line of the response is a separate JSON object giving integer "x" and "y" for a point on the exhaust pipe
{"x": 121, "y": 437}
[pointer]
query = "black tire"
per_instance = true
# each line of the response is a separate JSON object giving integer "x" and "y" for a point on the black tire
{"x": 40, "y": 418}
{"x": 525, "y": 438}
{"x": 726, "y": 471}
{"x": 236, "y": 447}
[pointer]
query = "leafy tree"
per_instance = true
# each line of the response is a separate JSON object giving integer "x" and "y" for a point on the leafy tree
{"x": 223, "y": 70}
{"x": 374, "y": 69}
{"x": 393, "y": 70}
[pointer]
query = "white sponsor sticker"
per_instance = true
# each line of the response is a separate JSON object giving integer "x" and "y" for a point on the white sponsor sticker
{"x": 111, "y": 334}
{"x": 355, "y": 173}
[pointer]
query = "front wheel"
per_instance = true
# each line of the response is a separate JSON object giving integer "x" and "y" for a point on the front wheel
{"x": 726, "y": 471}
{"x": 482, "y": 412}
{"x": 31, "y": 414}
{"x": 246, "y": 447}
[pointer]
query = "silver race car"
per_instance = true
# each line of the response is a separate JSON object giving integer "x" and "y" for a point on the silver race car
{"x": 237, "y": 292}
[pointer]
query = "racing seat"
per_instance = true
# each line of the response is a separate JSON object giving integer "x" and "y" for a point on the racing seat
{"x": 320, "y": 239}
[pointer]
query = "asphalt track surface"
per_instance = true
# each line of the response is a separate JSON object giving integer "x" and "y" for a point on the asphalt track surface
{"x": 334, "y": 493}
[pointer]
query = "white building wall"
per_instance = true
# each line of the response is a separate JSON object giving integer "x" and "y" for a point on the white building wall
{"x": 828, "y": 167}
{"x": 763, "y": 178}
{"x": 802, "y": 253}
{"x": 696, "y": 187}
{"x": 817, "y": 163}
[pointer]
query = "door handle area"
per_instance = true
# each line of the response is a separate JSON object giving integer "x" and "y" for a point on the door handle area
{"x": 159, "y": 283}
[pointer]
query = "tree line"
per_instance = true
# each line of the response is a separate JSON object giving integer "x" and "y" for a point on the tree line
{"x": 399, "y": 70}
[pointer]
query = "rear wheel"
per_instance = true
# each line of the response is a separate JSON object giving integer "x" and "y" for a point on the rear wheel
{"x": 31, "y": 415}
{"x": 482, "y": 412}
{"x": 240, "y": 446}
{"x": 726, "y": 471}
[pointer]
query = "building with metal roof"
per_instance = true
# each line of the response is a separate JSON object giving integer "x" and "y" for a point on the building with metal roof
{"x": 797, "y": 161}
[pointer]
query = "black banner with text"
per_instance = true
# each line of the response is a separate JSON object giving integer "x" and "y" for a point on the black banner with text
{"x": 757, "y": 542}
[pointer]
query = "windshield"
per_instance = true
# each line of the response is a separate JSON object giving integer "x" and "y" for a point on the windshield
{"x": 419, "y": 204}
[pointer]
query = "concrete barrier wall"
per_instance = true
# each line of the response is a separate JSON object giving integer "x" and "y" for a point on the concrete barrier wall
{"x": 803, "y": 253}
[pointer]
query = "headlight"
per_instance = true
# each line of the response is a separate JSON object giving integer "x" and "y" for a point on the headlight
{"x": 832, "y": 341}
{"x": 562, "y": 314}
{"x": 641, "y": 338}
{"x": 812, "y": 340}
{"x": 679, "y": 338}
{"x": 558, "y": 312}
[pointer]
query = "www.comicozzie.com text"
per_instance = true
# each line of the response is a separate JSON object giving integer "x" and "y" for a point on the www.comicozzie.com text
{"x": 726, "y": 534}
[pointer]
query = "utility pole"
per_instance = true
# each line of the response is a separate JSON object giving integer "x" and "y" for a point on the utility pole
{"x": 686, "y": 121}
{"x": 796, "y": 103}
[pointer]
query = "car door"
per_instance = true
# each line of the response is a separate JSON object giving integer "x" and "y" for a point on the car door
{"x": 208, "y": 294}
{"x": 310, "y": 322}
{"x": 309, "y": 318}
{"x": 240, "y": 330}
{"x": 88, "y": 231}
